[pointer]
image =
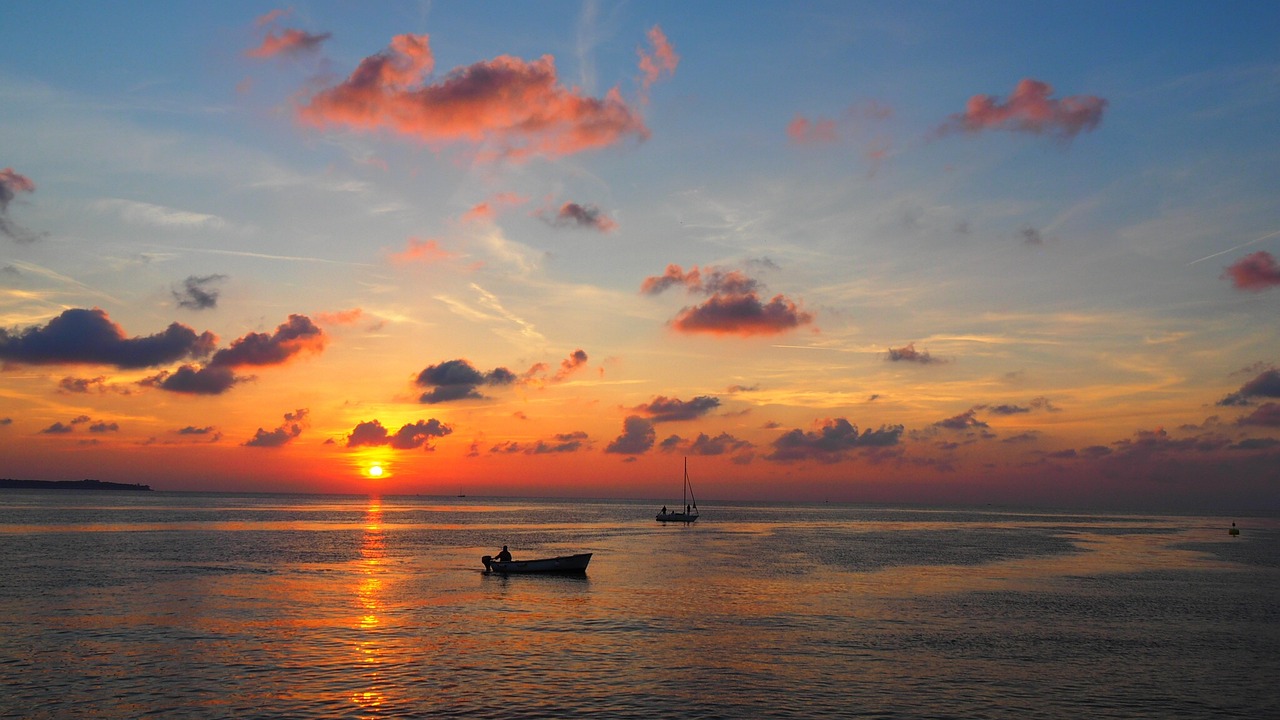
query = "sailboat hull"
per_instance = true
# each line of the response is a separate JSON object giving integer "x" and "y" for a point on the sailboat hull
{"x": 676, "y": 517}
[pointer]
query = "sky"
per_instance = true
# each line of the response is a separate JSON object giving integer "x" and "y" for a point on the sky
{"x": 916, "y": 252}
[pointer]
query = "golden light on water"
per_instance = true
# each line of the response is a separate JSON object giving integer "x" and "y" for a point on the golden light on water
{"x": 368, "y": 597}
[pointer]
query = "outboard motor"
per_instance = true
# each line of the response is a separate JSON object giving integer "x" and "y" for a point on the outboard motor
{"x": 486, "y": 560}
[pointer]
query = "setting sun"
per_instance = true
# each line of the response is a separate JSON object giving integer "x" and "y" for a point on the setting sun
{"x": 375, "y": 470}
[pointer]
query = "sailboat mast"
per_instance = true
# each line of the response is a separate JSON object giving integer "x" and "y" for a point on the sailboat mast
{"x": 684, "y": 491}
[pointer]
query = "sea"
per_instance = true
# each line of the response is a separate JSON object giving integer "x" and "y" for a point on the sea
{"x": 203, "y": 605}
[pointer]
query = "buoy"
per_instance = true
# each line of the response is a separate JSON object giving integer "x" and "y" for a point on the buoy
{"x": 1234, "y": 530}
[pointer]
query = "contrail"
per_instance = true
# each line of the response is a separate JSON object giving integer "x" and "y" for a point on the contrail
{"x": 1224, "y": 252}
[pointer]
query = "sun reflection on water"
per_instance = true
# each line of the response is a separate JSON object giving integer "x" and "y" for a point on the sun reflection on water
{"x": 373, "y": 552}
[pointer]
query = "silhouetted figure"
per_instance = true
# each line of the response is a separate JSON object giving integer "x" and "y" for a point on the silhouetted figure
{"x": 504, "y": 555}
{"x": 664, "y": 509}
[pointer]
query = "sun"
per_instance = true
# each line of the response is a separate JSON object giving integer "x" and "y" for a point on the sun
{"x": 375, "y": 470}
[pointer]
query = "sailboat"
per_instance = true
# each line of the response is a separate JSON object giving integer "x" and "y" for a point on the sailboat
{"x": 690, "y": 510}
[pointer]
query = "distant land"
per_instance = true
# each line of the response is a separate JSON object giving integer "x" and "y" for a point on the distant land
{"x": 70, "y": 485}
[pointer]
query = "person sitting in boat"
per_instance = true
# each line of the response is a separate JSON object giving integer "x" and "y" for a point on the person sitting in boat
{"x": 504, "y": 555}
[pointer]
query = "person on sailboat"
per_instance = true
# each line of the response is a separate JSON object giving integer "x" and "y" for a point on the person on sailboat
{"x": 504, "y": 555}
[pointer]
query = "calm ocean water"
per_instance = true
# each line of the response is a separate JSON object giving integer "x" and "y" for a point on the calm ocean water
{"x": 182, "y": 605}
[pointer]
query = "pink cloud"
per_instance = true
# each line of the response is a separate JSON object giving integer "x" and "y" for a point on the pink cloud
{"x": 1258, "y": 271}
{"x": 1030, "y": 109}
{"x": 804, "y": 131}
{"x": 663, "y": 59}
{"x": 519, "y": 106}
{"x": 287, "y": 42}
{"x": 11, "y": 183}
{"x": 423, "y": 251}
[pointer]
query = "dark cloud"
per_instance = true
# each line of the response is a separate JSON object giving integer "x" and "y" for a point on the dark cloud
{"x": 636, "y": 438}
{"x": 704, "y": 444}
{"x": 664, "y": 409}
{"x": 1266, "y": 384}
{"x": 192, "y": 380}
{"x": 1040, "y": 403}
{"x": 710, "y": 281}
{"x": 742, "y": 315}
{"x": 80, "y": 336}
{"x": 408, "y": 437}
{"x": 734, "y": 306}
{"x": 292, "y": 337}
{"x": 582, "y": 216}
{"x": 82, "y": 385}
{"x": 292, "y": 428}
{"x": 1267, "y": 415}
{"x": 196, "y": 293}
{"x": 832, "y": 442}
{"x": 1031, "y": 236}
{"x": 910, "y": 354}
{"x": 1256, "y": 272}
{"x": 11, "y": 183}
{"x": 57, "y": 429}
{"x": 966, "y": 422}
{"x": 102, "y": 427}
{"x": 193, "y": 430}
{"x": 458, "y": 380}
{"x": 295, "y": 336}
{"x": 1256, "y": 444}
{"x": 576, "y": 360}
{"x": 560, "y": 443}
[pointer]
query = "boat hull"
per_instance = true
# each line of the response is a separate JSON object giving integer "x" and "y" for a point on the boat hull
{"x": 676, "y": 517}
{"x": 565, "y": 564}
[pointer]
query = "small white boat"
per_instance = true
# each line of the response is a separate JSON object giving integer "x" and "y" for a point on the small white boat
{"x": 564, "y": 564}
{"x": 690, "y": 511}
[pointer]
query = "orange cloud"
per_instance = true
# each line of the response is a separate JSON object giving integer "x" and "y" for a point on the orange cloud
{"x": 341, "y": 317}
{"x": 287, "y": 42}
{"x": 425, "y": 251}
{"x": 1030, "y": 109}
{"x": 517, "y": 105}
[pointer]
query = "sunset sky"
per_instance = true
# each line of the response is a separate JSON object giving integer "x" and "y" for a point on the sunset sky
{"x": 849, "y": 251}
